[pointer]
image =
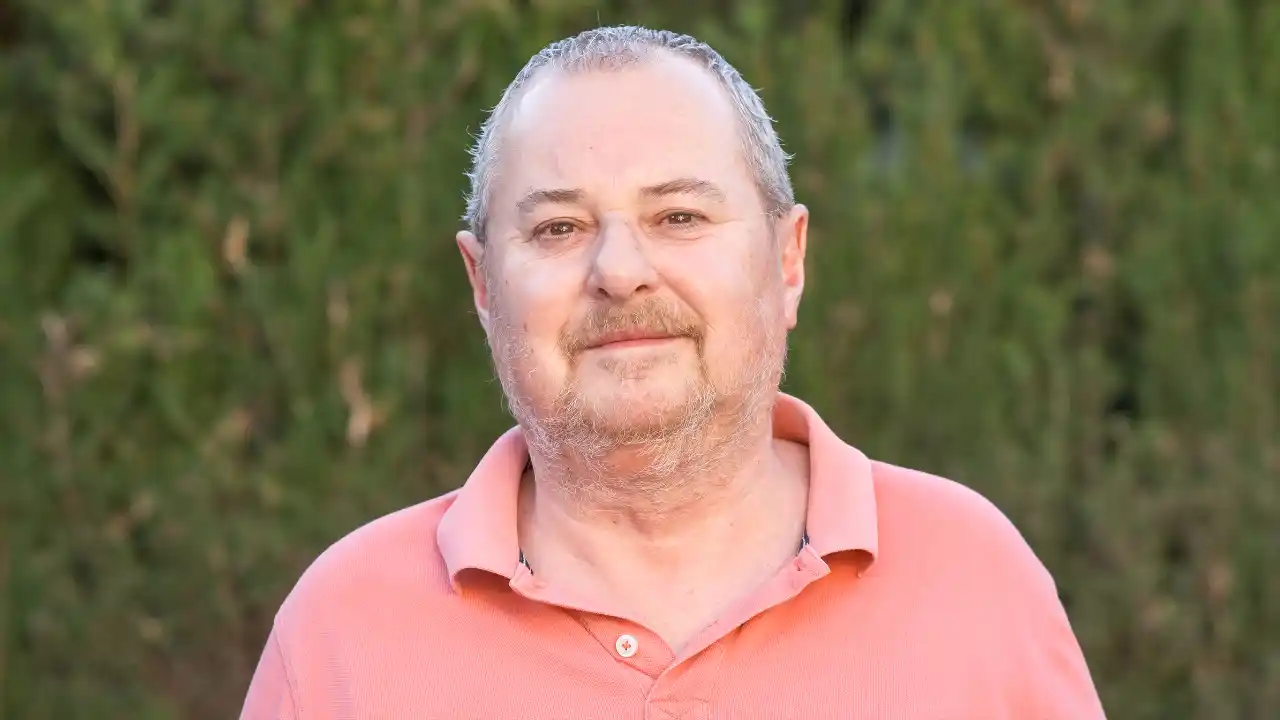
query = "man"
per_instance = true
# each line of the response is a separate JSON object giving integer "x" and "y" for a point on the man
{"x": 665, "y": 534}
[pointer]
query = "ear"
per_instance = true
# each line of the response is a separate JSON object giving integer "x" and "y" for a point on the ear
{"x": 473, "y": 258}
{"x": 793, "y": 239}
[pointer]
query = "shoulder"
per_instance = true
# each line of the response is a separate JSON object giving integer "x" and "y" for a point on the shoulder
{"x": 948, "y": 542}
{"x": 924, "y": 516}
{"x": 393, "y": 556}
{"x": 934, "y": 498}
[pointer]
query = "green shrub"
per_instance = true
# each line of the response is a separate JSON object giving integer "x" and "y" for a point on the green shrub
{"x": 233, "y": 326}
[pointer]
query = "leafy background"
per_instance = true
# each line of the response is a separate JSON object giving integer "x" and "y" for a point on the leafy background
{"x": 233, "y": 324}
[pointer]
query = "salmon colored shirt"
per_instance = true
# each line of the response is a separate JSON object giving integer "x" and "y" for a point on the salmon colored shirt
{"x": 912, "y": 598}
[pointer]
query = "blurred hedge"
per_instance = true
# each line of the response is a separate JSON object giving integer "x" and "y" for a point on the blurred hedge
{"x": 233, "y": 326}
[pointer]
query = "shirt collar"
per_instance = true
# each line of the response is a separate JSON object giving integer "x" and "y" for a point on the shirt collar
{"x": 478, "y": 530}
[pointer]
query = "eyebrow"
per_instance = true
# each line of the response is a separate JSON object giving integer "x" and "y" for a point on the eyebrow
{"x": 678, "y": 186}
{"x": 534, "y": 198}
{"x": 685, "y": 186}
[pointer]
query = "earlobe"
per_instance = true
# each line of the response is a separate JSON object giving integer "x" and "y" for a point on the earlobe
{"x": 473, "y": 258}
{"x": 795, "y": 244}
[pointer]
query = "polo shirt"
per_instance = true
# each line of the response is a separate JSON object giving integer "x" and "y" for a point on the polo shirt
{"x": 912, "y": 598}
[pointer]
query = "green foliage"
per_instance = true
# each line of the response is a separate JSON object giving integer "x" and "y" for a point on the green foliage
{"x": 233, "y": 327}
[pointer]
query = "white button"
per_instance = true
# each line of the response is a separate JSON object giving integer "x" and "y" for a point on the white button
{"x": 626, "y": 645}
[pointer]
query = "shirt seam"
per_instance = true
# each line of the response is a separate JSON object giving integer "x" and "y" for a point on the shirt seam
{"x": 289, "y": 673}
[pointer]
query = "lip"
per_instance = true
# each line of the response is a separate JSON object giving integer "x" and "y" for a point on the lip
{"x": 630, "y": 340}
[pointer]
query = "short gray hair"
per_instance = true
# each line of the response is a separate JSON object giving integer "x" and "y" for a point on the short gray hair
{"x": 617, "y": 48}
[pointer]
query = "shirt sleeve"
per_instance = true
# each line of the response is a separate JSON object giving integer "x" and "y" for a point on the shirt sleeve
{"x": 270, "y": 695}
{"x": 1055, "y": 682}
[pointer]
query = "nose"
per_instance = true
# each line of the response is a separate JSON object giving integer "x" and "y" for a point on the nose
{"x": 621, "y": 269}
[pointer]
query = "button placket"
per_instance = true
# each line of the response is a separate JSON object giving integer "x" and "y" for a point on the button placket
{"x": 630, "y": 644}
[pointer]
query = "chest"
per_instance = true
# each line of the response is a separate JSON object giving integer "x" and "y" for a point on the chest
{"x": 551, "y": 666}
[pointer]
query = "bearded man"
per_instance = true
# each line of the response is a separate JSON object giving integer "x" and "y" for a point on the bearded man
{"x": 664, "y": 534}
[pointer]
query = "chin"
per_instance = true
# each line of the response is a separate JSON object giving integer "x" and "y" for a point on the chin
{"x": 644, "y": 409}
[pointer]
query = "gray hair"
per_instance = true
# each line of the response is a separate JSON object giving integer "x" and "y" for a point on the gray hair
{"x": 617, "y": 48}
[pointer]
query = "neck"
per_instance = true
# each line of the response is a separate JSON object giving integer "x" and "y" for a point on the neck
{"x": 699, "y": 521}
{"x": 657, "y": 482}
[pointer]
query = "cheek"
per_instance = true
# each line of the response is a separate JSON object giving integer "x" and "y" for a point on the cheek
{"x": 535, "y": 303}
{"x": 744, "y": 320}
{"x": 727, "y": 290}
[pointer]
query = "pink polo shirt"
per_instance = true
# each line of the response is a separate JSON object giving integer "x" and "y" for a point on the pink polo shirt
{"x": 913, "y": 598}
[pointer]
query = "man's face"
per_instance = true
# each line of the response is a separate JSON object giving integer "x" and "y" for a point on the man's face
{"x": 632, "y": 285}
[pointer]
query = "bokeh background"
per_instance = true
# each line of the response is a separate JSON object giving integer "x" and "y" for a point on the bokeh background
{"x": 1045, "y": 261}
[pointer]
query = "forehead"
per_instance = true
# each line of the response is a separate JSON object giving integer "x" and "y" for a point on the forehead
{"x": 625, "y": 129}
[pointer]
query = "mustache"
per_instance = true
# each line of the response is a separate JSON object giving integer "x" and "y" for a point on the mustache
{"x": 651, "y": 316}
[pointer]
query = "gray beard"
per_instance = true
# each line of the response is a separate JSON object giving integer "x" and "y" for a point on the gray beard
{"x": 660, "y": 462}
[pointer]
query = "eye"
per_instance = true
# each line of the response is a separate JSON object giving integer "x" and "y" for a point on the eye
{"x": 557, "y": 229}
{"x": 681, "y": 219}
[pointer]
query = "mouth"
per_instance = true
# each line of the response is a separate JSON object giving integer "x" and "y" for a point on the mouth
{"x": 631, "y": 339}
